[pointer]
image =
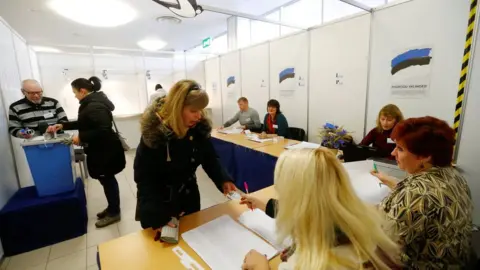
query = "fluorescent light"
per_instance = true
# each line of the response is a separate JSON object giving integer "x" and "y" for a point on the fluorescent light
{"x": 152, "y": 44}
{"x": 99, "y": 13}
{"x": 45, "y": 49}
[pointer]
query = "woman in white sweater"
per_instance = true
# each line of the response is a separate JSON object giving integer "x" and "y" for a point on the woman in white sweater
{"x": 319, "y": 210}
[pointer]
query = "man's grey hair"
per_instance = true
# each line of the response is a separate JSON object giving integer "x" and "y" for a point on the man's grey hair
{"x": 31, "y": 81}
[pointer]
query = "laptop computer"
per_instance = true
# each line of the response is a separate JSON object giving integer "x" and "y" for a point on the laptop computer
{"x": 353, "y": 153}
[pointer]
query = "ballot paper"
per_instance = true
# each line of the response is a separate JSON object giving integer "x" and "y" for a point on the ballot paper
{"x": 263, "y": 225}
{"x": 303, "y": 145}
{"x": 223, "y": 243}
{"x": 231, "y": 131}
{"x": 367, "y": 186}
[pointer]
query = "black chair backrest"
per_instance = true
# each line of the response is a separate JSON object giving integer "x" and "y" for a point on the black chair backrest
{"x": 296, "y": 134}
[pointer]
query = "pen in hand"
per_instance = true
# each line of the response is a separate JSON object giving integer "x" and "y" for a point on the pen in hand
{"x": 376, "y": 171}
{"x": 246, "y": 190}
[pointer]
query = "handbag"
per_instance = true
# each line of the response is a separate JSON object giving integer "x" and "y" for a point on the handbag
{"x": 121, "y": 138}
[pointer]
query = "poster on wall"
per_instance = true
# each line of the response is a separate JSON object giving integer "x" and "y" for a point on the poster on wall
{"x": 286, "y": 80}
{"x": 231, "y": 87}
{"x": 411, "y": 72}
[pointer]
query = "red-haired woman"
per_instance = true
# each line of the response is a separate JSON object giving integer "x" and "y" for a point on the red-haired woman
{"x": 431, "y": 209}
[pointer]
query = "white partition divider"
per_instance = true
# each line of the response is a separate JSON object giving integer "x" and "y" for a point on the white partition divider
{"x": 196, "y": 68}
{"x": 416, "y": 25}
{"x": 256, "y": 77}
{"x": 160, "y": 72}
{"x": 231, "y": 83}
{"x": 289, "y": 77}
{"x": 23, "y": 58}
{"x": 214, "y": 89}
{"x": 339, "y": 71}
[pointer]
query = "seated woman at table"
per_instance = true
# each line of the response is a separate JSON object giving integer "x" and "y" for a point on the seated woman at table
{"x": 431, "y": 209}
{"x": 379, "y": 136}
{"x": 175, "y": 141}
{"x": 274, "y": 122}
{"x": 328, "y": 223}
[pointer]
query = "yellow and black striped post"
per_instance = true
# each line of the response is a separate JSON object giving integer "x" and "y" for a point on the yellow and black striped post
{"x": 465, "y": 66}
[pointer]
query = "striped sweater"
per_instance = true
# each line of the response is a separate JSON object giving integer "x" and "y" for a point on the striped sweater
{"x": 26, "y": 114}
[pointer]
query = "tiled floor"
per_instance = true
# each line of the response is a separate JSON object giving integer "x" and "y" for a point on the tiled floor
{"x": 80, "y": 253}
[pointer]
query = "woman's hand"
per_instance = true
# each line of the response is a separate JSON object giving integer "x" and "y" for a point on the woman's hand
{"x": 228, "y": 187}
{"x": 255, "y": 261}
{"x": 76, "y": 140}
{"x": 387, "y": 180}
{"x": 252, "y": 202}
{"x": 54, "y": 128}
{"x": 262, "y": 135}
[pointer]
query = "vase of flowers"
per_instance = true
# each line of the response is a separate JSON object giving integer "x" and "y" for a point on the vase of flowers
{"x": 334, "y": 136}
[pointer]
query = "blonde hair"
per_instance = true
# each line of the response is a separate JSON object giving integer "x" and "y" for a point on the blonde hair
{"x": 389, "y": 110}
{"x": 316, "y": 199}
{"x": 183, "y": 93}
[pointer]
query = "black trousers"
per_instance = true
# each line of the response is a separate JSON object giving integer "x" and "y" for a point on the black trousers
{"x": 112, "y": 192}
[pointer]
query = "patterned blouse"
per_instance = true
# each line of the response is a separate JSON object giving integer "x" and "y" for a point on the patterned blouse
{"x": 431, "y": 212}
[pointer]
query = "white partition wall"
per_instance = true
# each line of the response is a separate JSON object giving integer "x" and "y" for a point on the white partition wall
{"x": 338, "y": 70}
{"x": 23, "y": 58}
{"x": 231, "y": 83}
{"x": 256, "y": 77}
{"x": 436, "y": 24}
{"x": 214, "y": 89}
{"x": 196, "y": 68}
{"x": 160, "y": 72}
{"x": 289, "y": 77}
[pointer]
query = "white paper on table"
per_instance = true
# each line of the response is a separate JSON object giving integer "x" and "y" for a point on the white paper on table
{"x": 264, "y": 226}
{"x": 37, "y": 138}
{"x": 303, "y": 145}
{"x": 367, "y": 186}
{"x": 223, "y": 243}
{"x": 255, "y": 138}
{"x": 231, "y": 131}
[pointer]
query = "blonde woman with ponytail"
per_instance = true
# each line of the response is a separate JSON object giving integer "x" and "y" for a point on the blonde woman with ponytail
{"x": 175, "y": 141}
{"x": 330, "y": 226}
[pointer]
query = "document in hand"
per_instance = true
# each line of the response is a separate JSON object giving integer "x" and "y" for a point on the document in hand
{"x": 262, "y": 225}
{"x": 303, "y": 145}
{"x": 223, "y": 243}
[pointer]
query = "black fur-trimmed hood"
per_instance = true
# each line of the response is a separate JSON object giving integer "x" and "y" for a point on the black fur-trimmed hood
{"x": 155, "y": 133}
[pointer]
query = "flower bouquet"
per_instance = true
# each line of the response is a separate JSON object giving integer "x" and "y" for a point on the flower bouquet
{"x": 333, "y": 136}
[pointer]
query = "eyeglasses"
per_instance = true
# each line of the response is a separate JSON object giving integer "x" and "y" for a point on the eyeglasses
{"x": 31, "y": 94}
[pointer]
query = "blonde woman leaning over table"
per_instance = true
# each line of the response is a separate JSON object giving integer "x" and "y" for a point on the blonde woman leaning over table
{"x": 432, "y": 207}
{"x": 318, "y": 208}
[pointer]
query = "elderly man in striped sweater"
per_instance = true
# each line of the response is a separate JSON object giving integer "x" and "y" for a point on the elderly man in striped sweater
{"x": 34, "y": 112}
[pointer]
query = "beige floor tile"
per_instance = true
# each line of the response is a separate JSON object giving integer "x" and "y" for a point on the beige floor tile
{"x": 93, "y": 267}
{"x": 68, "y": 247}
{"x": 128, "y": 226}
{"x": 98, "y": 236}
{"x": 92, "y": 256}
{"x": 29, "y": 259}
{"x": 74, "y": 261}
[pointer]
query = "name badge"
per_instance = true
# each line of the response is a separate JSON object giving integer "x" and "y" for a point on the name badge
{"x": 390, "y": 140}
{"x": 248, "y": 119}
{"x": 48, "y": 115}
{"x": 275, "y": 126}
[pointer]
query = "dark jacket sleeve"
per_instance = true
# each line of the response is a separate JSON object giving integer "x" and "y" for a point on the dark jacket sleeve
{"x": 99, "y": 121}
{"x": 271, "y": 209}
{"x": 153, "y": 211}
{"x": 71, "y": 125}
{"x": 282, "y": 126}
{"x": 212, "y": 166}
{"x": 370, "y": 138}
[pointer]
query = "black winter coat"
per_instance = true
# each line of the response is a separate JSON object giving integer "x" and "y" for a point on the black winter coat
{"x": 105, "y": 155}
{"x": 165, "y": 167}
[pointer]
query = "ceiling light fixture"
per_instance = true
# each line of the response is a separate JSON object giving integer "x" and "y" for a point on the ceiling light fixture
{"x": 45, "y": 49}
{"x": 98, "y": 13}
{"x": 152, "y": 44}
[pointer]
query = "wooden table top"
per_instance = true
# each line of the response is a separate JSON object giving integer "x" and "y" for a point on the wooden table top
{"x": 239, "y": 139}
{"x": 139, "y": 251}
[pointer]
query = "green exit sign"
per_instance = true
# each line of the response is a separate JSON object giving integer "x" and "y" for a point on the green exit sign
{"x": 207, "y": 42}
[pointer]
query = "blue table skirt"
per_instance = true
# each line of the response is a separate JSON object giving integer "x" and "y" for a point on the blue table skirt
{"x": 246, "y": 165}
{"x": 29, "y": 222}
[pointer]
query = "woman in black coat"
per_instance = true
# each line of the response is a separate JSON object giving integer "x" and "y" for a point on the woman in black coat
{"x": 105, "y": 155}
{"x": 175, "y": 141}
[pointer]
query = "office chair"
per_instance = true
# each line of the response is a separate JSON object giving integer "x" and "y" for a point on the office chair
{"x": 296, "y": 134}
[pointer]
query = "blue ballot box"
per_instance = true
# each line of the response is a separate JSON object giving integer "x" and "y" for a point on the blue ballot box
{"x": 52, "y": 165}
